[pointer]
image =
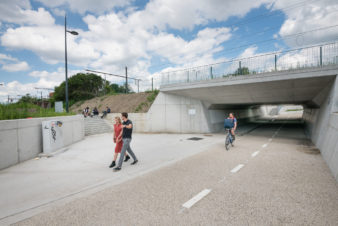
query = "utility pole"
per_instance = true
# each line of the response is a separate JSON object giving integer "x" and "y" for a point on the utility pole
{"x": 152, "y": 84}
{"x": 105, "y": 82}
{"x": 66, "y": 65}
{"x": 126, "y": 79}
{"x": 138, "y": 86}
{"x": 42, "y": 88}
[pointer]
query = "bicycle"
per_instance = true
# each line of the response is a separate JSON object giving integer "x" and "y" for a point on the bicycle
{"x": 228, "y": 140}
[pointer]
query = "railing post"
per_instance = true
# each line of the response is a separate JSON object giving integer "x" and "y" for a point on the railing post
{"x": 275, "y": 62}
{"x": 240, "y": 67}
{"x": 321, "y": 56}
{"x": 211, "y": 75}
{"x": 187, "y": 76}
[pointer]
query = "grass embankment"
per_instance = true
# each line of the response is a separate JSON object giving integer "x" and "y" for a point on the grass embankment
{"x": 23, "y": 110}
{"x": 150, "y": 100}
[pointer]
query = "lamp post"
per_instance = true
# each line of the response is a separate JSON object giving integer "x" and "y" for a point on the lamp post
{"x": 66, "y": 66}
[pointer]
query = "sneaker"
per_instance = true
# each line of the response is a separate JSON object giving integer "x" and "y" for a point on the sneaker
{"x": 112, "y": 164}
{"x": 133, "y": 163}
{"x": 117, "y": 169}
{"x": 127, "y": 158}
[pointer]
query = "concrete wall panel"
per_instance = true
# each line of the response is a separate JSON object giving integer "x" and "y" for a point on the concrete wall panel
{"x": 67, "y": 132}
{"x": 322, "y": 126}
{"x": 21, "y": 139}
{"x": 29, "y": 140}
{"x": 8, "y": 148}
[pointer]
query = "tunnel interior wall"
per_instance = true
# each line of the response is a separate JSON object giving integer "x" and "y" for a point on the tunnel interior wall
{"x": 322, "y": 125}
{"x": 178, "y": 114}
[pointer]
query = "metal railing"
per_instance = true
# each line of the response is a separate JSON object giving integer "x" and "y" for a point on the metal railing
{"x": 307, "y": 57}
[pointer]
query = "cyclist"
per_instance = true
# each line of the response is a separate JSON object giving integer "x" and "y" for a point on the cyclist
{"x": 233, "y": 129}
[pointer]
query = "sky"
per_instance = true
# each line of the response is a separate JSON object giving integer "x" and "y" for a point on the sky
{"x": 148, "y": 37}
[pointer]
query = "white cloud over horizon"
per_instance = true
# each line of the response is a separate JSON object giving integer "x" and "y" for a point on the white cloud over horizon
{"x": 11, "y": 64}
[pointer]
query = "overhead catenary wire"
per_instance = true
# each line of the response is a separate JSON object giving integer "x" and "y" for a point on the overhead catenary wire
{"x": 239, "y": 59}
{"x": 255, "y": 18}
{"x": 249, "y": 20}
{"x": 229, "y": 50}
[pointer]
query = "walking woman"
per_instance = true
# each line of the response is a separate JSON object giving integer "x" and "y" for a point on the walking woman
{"x": 118, "y": 141}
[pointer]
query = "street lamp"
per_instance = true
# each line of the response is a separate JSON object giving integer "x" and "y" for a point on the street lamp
{"x": 66, "y": 66}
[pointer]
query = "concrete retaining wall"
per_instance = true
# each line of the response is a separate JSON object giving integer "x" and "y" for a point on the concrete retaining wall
{"x": 322, "y": 125}
{"x": 139, "y": 121}
{"x": 21, "y": 139}
{"x": 177, "y": 114}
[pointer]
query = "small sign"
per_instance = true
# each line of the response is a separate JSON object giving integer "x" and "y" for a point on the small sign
{"x": 192, "y": 111}
{"x": 58, "y": 106}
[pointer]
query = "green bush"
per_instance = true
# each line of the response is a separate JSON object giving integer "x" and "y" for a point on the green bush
{"x": 153, "y": 96}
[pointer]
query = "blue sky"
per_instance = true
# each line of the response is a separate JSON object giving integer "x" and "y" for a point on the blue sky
{"x": 148, "y": 37}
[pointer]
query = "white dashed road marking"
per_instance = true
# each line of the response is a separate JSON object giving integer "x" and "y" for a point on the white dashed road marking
{"x": 196, "y": 198}
{"x": 264, "y": 145}
{"x": 254, "y": 154}
{"x": 237, "y": 168}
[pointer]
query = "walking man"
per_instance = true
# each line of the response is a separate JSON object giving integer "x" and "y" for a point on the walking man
{"x": 127, "y": 127}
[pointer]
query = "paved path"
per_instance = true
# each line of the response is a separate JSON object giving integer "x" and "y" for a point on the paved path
{"x": 273, "y": 176}
{"x": 33, "y": 186}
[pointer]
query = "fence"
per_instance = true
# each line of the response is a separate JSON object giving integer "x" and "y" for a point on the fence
{"x": 308, "y": 57}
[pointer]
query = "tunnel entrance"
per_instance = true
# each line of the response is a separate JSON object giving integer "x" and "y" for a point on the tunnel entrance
{"x": 251, "y": 117}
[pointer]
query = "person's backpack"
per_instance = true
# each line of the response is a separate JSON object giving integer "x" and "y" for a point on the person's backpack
{"x": 228, "y": 123}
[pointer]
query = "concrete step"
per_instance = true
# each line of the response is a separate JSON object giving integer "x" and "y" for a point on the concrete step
{"x": 96, "y": 125}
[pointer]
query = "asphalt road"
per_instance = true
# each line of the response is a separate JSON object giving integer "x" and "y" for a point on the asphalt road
{"x": 273, "y": 176}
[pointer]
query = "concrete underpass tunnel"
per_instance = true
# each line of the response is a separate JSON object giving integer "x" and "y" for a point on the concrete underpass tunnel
{"x": 260, "y": 115}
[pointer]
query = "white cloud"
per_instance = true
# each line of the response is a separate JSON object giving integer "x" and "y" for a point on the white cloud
{"x": 19, "y": 12}
{"x": 12, "y": 64}
{"x": 249, "y": 52}
{"x": 48, "y": 43}
{"x": 309, "y": 16}
{"x": 4, "y": 57}
{"x": 59, "y": 12}
{"x": 45, "y": 80}
{"x": 117, "y": 39}
{"x": 186, "y": 14}
{"x": 21, "y": 66}
{"x": 83, "y": 6}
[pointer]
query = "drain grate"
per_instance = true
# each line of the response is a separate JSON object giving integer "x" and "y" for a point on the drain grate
{"x": 195, "y": 138}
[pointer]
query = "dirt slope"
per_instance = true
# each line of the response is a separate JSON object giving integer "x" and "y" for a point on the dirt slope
{"x": 136, "y": 102}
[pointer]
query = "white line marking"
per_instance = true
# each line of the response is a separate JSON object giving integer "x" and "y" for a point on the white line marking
{"x": 237, "y": 168}
{"x": 264, "y": 145}
{"x": 254, "y": 154}
{"x": 196, "y": 198}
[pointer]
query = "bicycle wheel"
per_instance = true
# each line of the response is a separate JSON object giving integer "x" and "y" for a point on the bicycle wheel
{"x": 227, "y": 143}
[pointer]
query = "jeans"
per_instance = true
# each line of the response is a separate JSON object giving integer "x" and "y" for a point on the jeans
{"x": 126, "y": 147}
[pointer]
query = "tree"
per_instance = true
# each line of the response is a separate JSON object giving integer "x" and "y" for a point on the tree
{"x": 80, "y": 87}
{"x": 242, "y": 71}
{"x": 115, "y": 88}
{"x": 28, "y": 99}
